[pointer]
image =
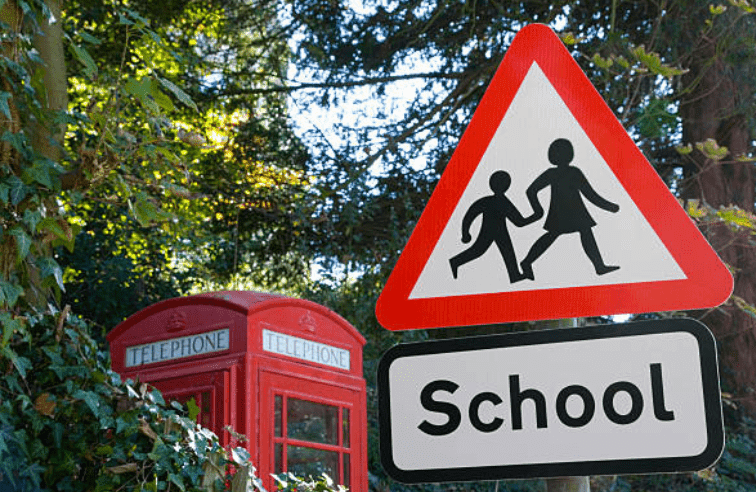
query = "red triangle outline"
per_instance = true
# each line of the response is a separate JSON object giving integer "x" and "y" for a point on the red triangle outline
{"x": 708, "y": 283}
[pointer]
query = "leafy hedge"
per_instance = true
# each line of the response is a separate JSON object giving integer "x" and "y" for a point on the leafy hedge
{"x": 67, "y": 422}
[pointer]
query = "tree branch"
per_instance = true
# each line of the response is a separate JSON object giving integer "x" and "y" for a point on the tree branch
{"x": 338, "y": 85}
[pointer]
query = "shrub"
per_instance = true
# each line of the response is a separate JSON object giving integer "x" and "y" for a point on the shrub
{"x": 67, "y": 422}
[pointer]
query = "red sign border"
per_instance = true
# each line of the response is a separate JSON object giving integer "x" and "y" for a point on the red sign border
{"x": 708, "y": 283}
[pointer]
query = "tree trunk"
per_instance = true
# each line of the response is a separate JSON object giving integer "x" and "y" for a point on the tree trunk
{"x": 49, "y": 42}
{"x": 710, "y": 111}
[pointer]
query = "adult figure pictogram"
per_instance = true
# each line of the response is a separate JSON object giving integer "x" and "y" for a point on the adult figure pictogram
{"x": 495, "y": 210}
{"x": 567, "y": 211}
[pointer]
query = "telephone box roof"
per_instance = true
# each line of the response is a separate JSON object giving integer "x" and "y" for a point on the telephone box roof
{"x": 246, "y": 302}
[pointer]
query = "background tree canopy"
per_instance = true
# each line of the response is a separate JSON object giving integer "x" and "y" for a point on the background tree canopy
{"x": 149, "y": 150}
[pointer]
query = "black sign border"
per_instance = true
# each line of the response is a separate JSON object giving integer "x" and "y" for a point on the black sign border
{"x": 711, "y": 393}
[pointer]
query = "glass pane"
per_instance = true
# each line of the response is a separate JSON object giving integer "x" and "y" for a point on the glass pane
{"x": 206, "y": 413}
{"x": 345, "y": 427}
{"x": 277, "y": 414}
{"x": 346, "y": 470}
{"x": 305, "y": 462}
{"x": 206, "y": 401}
{"x": 310, "y": 421}
{"x": 278, "y": 459}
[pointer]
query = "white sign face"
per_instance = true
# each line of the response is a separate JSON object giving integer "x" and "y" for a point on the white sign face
{"x": 302, "y": 349}
{"x": 634, "y": 398}
{"x": 177, "y": 348}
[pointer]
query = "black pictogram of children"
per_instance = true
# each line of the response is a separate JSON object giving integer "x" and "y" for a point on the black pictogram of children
{"x": 567, "y": 214}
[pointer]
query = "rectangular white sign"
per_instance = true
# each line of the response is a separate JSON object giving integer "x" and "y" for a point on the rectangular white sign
{"x": 634, "y": 398}
{"x": 178, "y": 348}
{"x": 300, "y": 348}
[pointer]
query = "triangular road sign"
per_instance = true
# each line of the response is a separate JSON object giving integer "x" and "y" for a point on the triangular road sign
{"x": 547, "y": 210}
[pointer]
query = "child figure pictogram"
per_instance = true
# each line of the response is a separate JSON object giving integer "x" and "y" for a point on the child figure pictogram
{"x": 567, "y": 212}
{"x": 495, "y": 210}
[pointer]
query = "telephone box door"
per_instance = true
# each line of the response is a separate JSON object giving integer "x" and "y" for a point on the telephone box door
{"x": 210, "y": 393}
{"x": 310, "y": 428}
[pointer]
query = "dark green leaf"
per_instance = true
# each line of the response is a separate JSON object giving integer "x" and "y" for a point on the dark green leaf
{"x": 123, "y": 20}
{"x": 176, "y": 479}
{"x": 90, "y": 67}
{"x": 10, "y": 326}
{"x": 50, "y": 268}
{"x": 4, "y": 108}
{"x": 32, "y": 217}
{"x": 180, "y": 94}
{"x": 89, "y": 38}
{"x": 10, "y": 292}
{"x": 23, "y": 242}
{"x": 22, "y": 364}
{"x": 18, "y": 190}
{"x": 91, "y": 399}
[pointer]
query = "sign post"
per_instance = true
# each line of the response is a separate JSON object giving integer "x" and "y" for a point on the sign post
{"x": 565, "y": 484}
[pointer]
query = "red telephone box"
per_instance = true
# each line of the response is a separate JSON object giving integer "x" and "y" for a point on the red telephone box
{"x": 287, "y": 373}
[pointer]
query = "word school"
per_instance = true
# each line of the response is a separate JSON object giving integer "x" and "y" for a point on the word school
{"x": 518, "y": 396}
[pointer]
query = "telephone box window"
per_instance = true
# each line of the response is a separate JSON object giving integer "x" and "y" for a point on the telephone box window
{"x": 346, "y": 468}
{"x": 277, "y": 416}
{"x": 304, "y": 462}
{"x": 345, "y": 426}
{"x": 314, "y": 443}
{"x": 206, "y": 408}
{"x": 313, "y": 422}
{"x": 278, "y": 466}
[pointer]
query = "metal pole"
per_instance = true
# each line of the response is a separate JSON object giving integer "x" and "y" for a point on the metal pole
{"x": 566, "y": 484}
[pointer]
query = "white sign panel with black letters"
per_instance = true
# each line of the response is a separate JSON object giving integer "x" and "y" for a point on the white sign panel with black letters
{"x": 300, "y": 348}
{"x": 177, "y": 348}
{"x": 634, "y": 398}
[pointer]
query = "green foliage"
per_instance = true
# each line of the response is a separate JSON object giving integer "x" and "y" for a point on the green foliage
{"x": 291, "y": 483}
{"x": 209, "y": 189}
{"x": 69, "y": 423}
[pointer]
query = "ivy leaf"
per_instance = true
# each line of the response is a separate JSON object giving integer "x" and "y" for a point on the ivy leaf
{"x": 18, "y": 190}
{"x": 4, "y": 192}
{"x": 177, "y": 480}
{"x": 90, "y": 399}
{"x": 9, "y": 293}
{"x": 22, "y": 364}
{"x": 10, "y": 326}
{"x": 4, "y": 107}
{"x": 50, "y": 268}
{"x": 32, "y": 218}
{"x": 64, "y": 234}
{"x": 23, "y": 242}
